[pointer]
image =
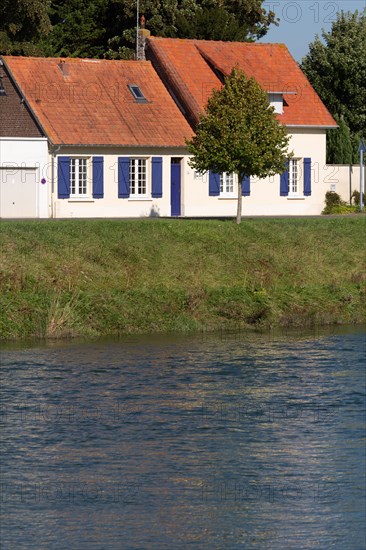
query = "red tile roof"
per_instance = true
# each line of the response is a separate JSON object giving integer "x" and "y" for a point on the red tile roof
{"x": 190, "y": 67}
{"x": 90, "y": 103}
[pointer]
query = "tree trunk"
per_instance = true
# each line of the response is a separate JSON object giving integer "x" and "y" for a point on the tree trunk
{"x": 238, "y": 213}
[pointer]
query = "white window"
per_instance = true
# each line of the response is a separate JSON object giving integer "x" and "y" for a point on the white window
{"x": 227, "y": 184}
{"x": 78, "y": 177}
{"x": 293, "y": 177}
{"x": 276, "y": 101}
{"x": 138, "y": 187}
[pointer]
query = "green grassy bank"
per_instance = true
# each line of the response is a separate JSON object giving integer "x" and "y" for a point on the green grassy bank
{"x": 99, "y": 277}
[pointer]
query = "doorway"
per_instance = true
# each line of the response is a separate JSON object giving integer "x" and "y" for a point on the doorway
{"x": 175, "y": 186}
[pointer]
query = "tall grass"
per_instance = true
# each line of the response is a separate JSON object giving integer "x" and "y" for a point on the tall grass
{"x": 96, "y": 277}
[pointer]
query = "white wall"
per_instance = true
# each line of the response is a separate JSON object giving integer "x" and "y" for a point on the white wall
{"x": 264, "y": 200}
{"x": 110, "y": 206}
{"x": 265, "y": 196}
{"x": 345, "y": 179}
{"x": 16, "y": 154}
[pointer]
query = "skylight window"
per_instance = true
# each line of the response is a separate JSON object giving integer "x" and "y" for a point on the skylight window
{"x": 137, "y": 93}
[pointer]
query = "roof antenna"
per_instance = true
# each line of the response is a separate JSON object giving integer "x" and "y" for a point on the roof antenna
{"x": 137, "y": 27}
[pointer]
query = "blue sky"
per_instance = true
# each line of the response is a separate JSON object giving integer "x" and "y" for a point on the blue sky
{"x": 301, "y": 20}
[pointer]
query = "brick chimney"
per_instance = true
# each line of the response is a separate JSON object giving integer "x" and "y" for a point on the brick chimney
{"x": 142, "y": 34}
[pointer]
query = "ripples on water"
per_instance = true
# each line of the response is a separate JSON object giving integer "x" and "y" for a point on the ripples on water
{"x": 224, "y": 441}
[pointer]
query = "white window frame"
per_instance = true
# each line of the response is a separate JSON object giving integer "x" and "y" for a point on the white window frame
{"x": 276, "y": 101}
{"x": 135, "y": 186}
{"x": 294, "y": 178}
{"x": 79, "y": 183}
{"x": 228, "y": 184}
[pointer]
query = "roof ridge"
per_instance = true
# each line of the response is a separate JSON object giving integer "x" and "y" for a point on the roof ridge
{"x": 194, "y": 40}
{"x": 76, "y": 59}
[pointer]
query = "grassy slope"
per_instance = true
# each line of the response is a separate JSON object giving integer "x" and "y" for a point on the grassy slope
{"x": 60, "y": 278}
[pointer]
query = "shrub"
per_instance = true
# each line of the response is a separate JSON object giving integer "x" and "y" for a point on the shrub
{"x": 356, "y": 198}
{"x": 332, "y": 200}
{"x": 335, "y": 205}
{"x": 344, "y": 209}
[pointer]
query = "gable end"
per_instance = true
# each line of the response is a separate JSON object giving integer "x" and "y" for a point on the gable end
{"x": 16, "y": 120}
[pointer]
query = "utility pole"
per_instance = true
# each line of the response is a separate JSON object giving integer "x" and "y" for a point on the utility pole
{"x": 137, "y": 27}
{"x": 361, "y": 150}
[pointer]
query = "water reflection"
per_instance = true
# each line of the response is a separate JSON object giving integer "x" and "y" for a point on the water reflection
{"x": 225, "y": 441}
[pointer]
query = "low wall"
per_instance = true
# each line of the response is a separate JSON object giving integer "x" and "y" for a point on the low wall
{"x": 344, "y": 179}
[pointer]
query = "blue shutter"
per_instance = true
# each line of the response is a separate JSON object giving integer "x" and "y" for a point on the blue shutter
{"x": 245, "y": 186}
{"x": 307, "y": 177}
{"x": 98, "y": 177}
{"x": 63, "y": 177}
{"x": 123, "y": 177}
{"x": 284, "y": 182}
{"x": 157, "y": 177}
{"x": 213, "y": 184}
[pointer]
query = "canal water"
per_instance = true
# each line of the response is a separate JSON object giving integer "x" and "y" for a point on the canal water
{"x": 213, "y": 441}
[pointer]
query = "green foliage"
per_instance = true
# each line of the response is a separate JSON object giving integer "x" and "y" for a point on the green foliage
{"x": 335, "y": 205}
{"x": 22, "y": 24}
{"x": 337, "y": 71}
{"x": 356, "y": 198}
{"x": 342, "y": 209}
{"x": 107, "y": 28}
{"x": 203, "y": 19}
{"x": 339, "y": 144}
{"x": 214, "y": 23}
{"x": 228, "y": 20}
{"x": 239, "y": 132}
{"x": 100, "y": 277}
{"x": 79, "y": 28}
{"x": 332, "y": 199}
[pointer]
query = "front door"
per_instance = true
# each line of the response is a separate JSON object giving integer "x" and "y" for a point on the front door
{"x": 175, "y": 186}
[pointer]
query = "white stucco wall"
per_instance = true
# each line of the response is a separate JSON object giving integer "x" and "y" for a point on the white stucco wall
{"x": 265, "y": 196}
{"x": 345, "y": 179}
{"x": 264, "y": 199}
{"x": 110, "y": 206}
{"x": 18, "y": 154}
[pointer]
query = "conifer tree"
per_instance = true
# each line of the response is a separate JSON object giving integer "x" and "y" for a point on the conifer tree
{"x": 339, "y": 144}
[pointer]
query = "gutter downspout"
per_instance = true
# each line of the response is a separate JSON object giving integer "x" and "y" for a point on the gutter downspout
{"x": 350, "y": 183}
{"x": 54, "y": 151}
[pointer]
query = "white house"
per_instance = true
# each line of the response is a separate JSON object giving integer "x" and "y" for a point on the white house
{"x": 192, "y": 68}
{"x": 106, "y": 135}
{"x": 90, "y": 138}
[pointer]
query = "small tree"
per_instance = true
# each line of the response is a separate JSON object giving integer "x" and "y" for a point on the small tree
{"x": 239, "y": 133}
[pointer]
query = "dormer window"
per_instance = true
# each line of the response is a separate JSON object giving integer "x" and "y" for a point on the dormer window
{"x": 276, "y": 101}
{"x": 137, "y": 93}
